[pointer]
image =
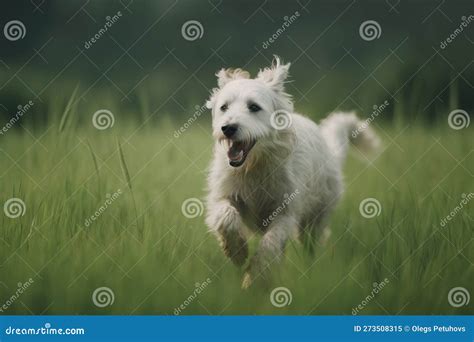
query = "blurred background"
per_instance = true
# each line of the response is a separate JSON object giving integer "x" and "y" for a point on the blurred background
{"x": 148, "y": 67}
{"x": 134, "y": 58}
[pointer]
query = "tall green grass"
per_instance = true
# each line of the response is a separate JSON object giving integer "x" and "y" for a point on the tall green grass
{"x": 152, "y": 257}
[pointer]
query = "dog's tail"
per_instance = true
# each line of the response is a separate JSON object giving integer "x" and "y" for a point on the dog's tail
{"x": 341, "y": 129}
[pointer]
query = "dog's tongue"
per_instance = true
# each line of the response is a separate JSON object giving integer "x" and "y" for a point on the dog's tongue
{"x": 235, "y": 152}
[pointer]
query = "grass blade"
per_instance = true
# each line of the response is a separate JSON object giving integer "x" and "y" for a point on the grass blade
{"x": 126, "y": 174}
{"x": 67, "y": 110}
{"x": 124, "y": 165}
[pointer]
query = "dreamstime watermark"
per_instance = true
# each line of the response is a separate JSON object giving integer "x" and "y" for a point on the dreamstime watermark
{"x": 103, "y": 119}
{"x": 377, "y": 287}
{"x": 458, "y": 119}
{"x": 14, "y": 207}
{"x": 458, "y": 296}
{"x": 286, "y": 201}
{"x": 370, "y": 207}
{"x": 466, "y": 198}
{"x": 22, "y": 110}
{"x": 192, "y": 30}
{"x": 370, "y": 30}
{"x": 111, "y": 20}
{"x": 21, "y": 287}
{"x": 198, "y": 289}
{"x": 103, "y": 296}
{"x": 288, "y": 20}
{"x": 110, "y": 199}
{"x": 192, "y": 207}
{"x": 465, "y": 22}
{"x": 199, "y": 110}
{"x": 47, "y": 329}
{"x": 14, "y": 30}
{"x": 377, "y": 110}
{"x": 280, "y": 297}
{"x": 281, "y": 119}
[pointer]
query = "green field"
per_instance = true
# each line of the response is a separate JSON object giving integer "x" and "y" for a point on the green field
{"x": 152, "y": 256}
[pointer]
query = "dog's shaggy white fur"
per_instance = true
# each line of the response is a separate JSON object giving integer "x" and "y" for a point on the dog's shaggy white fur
{"x": 274, "y": 172}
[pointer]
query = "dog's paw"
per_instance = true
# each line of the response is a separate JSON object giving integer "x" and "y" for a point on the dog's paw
{"x": 325, "y": 235}
{"x": 235, "y": 247}
{"x": 247, "y": 281}
{"x": 252, "y": 279}
{"x": 257, "y": 274}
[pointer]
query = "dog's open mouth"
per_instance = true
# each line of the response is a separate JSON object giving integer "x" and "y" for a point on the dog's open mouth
{"x": 237, "y": 151}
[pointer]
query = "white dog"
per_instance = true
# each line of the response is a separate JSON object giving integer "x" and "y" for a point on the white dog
{"x": 274, "y": 172}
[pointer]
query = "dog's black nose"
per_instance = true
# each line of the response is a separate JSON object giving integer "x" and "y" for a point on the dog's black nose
{"x": 229, "y": 130}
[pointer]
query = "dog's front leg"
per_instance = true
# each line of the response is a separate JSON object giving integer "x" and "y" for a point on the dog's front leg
{"x": 224, "y": 220}
{"x": 270, "y": 249}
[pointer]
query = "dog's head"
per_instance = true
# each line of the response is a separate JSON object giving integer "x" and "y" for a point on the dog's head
{"x": 247, "y": 114}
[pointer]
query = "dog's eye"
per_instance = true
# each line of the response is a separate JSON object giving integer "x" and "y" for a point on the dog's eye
{"x": 254, "y": 108}
{"x": 224, "y": 107}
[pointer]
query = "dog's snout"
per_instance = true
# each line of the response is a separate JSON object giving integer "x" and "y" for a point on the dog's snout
{"x": 229, "y": 130}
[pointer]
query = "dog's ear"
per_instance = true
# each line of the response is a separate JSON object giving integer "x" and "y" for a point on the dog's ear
{"x": 212, "y": 98}
{"x": 276, "y": 75}
{"x": 224, "y": 76}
